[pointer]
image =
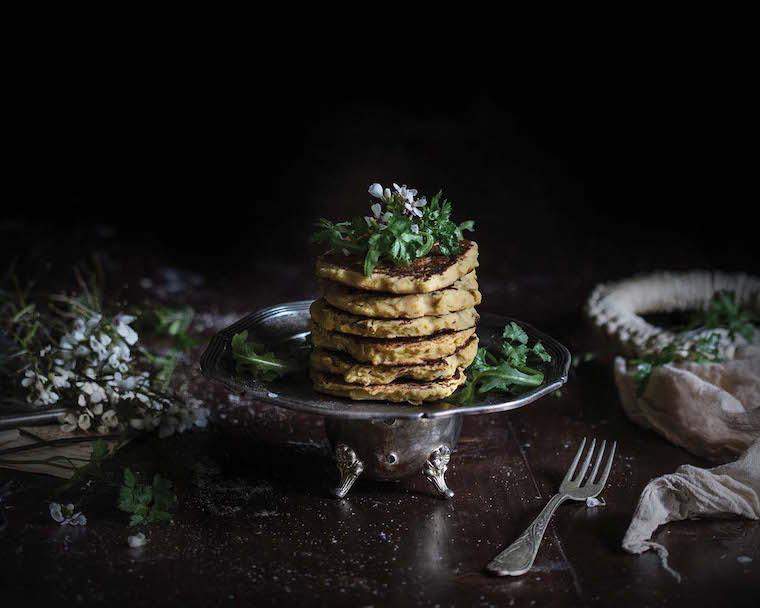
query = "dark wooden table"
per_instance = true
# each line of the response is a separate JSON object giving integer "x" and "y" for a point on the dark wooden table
{"x": 255, "y": 524}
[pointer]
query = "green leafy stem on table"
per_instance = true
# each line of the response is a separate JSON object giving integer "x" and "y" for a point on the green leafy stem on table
{"x": 252, "y": 358}
{"x": 508, "y": 370}
{"x": 148, "y": 504}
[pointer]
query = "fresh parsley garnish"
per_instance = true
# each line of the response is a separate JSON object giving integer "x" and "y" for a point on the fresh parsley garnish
{"x": 705, "y": 349}
{"x": 148, "y": 504}
{"x": 507, "y": 372}
{"x": 252, "y": 358}
{"x": 405, "y": 229}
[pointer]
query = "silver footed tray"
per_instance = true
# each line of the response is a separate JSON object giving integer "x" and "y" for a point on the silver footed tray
{"x": 284, "y": 329}
{"x": 380, "y": 440}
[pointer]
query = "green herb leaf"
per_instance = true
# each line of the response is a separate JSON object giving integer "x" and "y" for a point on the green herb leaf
{"x": 724, "y": 312}
{"x": 251, "y": 357}
{"x": 397, "y": 237}
{"x": 506, "y": 372}
{"x": 146, "y": 503}
{"x": 514, "y": 332}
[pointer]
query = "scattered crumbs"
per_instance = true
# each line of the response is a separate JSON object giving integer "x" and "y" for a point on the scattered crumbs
{"x": 272, "y": 395}
{"x": 595, "y": 502}
{"x": 743, "y": 559}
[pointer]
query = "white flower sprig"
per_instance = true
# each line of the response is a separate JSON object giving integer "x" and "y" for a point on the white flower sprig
{"x": 93, "y": 366}
{"x": 403, "y": 196}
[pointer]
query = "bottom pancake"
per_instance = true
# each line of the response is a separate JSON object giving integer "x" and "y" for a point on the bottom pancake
{"x": 397, "y": 392}
{"x": 353, "y": 372}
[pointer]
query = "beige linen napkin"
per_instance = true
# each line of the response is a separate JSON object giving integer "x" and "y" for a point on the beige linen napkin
{"x": 690, "y": 493}
{"x": 712, "y": 410}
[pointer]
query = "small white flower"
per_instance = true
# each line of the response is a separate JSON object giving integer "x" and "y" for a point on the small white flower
{"x": 47, "y": 397}
{"x": 29, "y": 378}
{"x": 80, "y": 329}
{"x": 69, "y": 423}
{"x": 415, "y": 229}
{"x": 124, "y": 330}
{"x": 84, "y": 422}
{"x": 94, "y": 391}
{"x": 55, "y": 512}
{"x": 99, "y": 347}
{"x": 412, "y": 209}
{"x": 45, "y": 350}
{"x": 110, "y": 419}
{"x": 82, "y": 401}
{"x": 376, "y": 209}
{"x": 65, "y": 515}
{"x": 61, "y": 378}
{"x": 376, "y": 190}
{"x": 387, "y": 194}
{"x": 405, "y": 193}
{"x": 137, "y": 540}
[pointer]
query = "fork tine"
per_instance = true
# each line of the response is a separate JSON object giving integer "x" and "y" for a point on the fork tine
{"x": 571, "y": 470}
{"x": 601, "y": 483}
{"x": 598, "y": 462}
{"x": 586, "y": 462}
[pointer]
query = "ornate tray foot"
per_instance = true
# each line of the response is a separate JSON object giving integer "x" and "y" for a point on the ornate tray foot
{"x": 435, "y": 469}
{"x": 349, "y": 469}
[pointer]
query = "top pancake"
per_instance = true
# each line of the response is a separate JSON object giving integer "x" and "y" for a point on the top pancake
{"x": 424, "y": 275}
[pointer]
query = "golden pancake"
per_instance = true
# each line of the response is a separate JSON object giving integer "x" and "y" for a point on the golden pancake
{"x": 392, "y": 351}
{"x": 352, "y": 372}
{"x": 462, "y": 294}
{"x": 412, "y": 392}
{"x": 423, "y": 275}
{"x": 333, "y": 319}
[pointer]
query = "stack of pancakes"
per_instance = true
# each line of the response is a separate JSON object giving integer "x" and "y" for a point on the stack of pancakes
{"x": 399, "y": 334}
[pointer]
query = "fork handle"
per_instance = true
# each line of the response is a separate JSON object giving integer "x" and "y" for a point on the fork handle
{"x": 519, "y": 556}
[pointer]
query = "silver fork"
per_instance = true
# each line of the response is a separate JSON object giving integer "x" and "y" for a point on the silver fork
{"x": 519, "y": 556}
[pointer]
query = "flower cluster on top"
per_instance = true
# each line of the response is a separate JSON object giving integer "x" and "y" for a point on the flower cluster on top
{"x": 401, "y": 228}
{"x": 93, "y": 367}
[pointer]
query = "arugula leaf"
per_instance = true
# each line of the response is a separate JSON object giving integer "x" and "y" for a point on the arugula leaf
{"x": 250, "y": 357}
{"x": 147, "y": 503}
{"x": 506, "y": 372}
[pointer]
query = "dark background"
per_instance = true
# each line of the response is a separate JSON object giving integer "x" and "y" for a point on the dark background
{"x": 576, "y": 175}
{"x": 602, "y": 173}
